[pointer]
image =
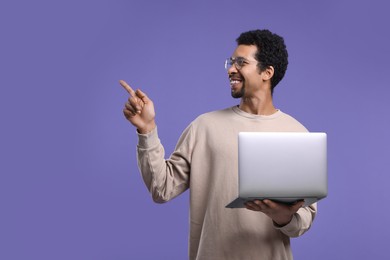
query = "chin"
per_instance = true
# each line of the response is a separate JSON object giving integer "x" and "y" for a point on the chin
{"x": 238, "y": 94}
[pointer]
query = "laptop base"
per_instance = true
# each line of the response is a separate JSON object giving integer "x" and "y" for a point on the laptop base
{"x": 240, "y": 202}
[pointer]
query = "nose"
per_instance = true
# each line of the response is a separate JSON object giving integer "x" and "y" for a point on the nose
{"x": 232, "y": 69}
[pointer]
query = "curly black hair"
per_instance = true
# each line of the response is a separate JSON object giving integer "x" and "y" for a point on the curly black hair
{"x": 271, "y": 51}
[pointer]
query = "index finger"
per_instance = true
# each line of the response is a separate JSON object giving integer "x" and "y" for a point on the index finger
{"x": 127, "y": 87}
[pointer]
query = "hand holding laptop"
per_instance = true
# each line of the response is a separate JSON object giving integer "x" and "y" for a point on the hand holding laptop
{"x": 280, "y": 213}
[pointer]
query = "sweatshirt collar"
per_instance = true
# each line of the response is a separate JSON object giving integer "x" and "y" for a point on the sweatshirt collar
{"x": 252, "y": 116}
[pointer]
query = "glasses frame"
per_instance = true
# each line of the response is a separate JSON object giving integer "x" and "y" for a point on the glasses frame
{"x": 238, "y": 62}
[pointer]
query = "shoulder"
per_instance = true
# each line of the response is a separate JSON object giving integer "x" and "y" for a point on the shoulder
{"x": 203, "y": 125}
{"x": 214, "y": 115}
{"x": 212, "y": 121}
{"x": 291, "y": 123}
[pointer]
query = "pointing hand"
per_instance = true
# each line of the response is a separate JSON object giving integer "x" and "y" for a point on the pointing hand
{"x": 139, "y": 109}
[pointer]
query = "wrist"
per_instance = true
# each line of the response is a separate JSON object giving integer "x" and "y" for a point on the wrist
{"x": 147, "y": 128}
{"x": 283, "y": 221}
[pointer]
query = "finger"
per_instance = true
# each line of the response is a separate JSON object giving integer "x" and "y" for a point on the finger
{"x": 261, "y": 204}
{"x": 270, "y": 203}
{"x": 130, "y": 108}
{"x": 128, "y": 113}
{"x": 249, "y": 206}
{"x": 254, "y": 204}
{"x": 127, "y": 87}
{"x": 136, "y": 103}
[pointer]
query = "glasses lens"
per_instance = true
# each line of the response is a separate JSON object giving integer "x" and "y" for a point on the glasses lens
{"x": 228, "y": 63}
{"x": 239, "y": 62}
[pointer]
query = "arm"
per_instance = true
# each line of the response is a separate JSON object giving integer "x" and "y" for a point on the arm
{"x": 165, "y": 179}
{"x": 292, "y": 220}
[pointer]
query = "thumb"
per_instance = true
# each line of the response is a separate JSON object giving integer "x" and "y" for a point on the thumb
{"x": 298, "y": 205}
{"x": 142, "y": 96}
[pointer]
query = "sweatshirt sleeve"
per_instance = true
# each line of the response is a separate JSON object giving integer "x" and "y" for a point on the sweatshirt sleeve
{"x": 165, "y": 179}
{"x": 301, "y": 221}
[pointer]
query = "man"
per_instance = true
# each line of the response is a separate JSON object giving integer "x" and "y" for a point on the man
{"x": 205, "y": 160}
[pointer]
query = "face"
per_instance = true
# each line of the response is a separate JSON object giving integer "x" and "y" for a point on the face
{"x": 244, "y": 82}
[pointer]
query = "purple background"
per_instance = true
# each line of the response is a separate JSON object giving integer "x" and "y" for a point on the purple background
{"x": 70, "y": 187}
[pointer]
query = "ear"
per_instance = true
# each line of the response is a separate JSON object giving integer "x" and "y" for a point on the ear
{"x": 268, "y": 73}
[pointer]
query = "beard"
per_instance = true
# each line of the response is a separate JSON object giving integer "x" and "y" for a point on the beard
{"x": 238, "y": 94}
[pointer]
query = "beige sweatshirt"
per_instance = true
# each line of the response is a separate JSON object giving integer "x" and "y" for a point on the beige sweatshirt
{"x": 205, "y": 160}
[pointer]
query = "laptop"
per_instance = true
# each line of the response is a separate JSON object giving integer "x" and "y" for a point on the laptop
{"x": 281, "y": 166}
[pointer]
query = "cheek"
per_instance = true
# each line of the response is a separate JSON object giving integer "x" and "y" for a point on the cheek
{"x": 251, "y": 79}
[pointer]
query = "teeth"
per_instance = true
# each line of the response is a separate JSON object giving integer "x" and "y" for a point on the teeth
{"x": 234, "y": 81}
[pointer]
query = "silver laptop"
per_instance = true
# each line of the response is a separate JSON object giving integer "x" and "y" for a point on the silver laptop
{"x": 281, "y": 166}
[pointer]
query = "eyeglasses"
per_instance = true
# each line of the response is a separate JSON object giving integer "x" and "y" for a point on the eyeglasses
{"x": 239, "y": 62}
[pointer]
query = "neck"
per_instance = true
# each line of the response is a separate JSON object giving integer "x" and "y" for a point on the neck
{"x": 258, "y": 105}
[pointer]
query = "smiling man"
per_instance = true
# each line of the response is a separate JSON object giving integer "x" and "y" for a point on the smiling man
{"x": 205, "y": 159}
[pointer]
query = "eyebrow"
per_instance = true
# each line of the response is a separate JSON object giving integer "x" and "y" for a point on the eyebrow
{"x": 239, "y": 57}
{"x": 243, "y": 58}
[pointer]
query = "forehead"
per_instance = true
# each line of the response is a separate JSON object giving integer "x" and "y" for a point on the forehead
{"x": 245, "y": 51}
